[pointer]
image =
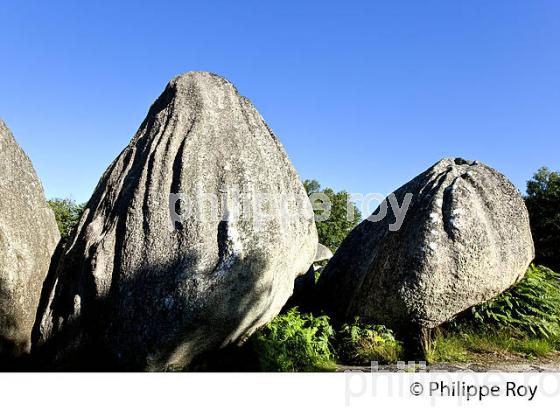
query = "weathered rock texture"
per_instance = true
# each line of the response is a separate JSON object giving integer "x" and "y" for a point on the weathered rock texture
{"x": 464, "y": 240}
{"x": 144, "y": 296}
{"x": 28, "y": 236}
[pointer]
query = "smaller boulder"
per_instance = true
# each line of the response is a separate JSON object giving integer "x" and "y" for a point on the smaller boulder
{"x": 465, "y": 238}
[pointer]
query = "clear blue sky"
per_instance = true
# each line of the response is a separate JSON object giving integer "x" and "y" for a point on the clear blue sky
{"x": 363, "y": 95}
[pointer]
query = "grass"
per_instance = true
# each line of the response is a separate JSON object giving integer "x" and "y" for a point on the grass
{"x": 462, "y": 347}
{"x": 531, "y": 306}
{"x": 448, "y": 350}
{"x": 523, "y": 321}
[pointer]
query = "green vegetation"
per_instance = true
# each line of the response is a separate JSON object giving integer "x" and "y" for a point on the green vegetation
{"x": 295, "y": 342}
{"x": 543, "y": 204}
{"x": 522, "y": 321}
{"x": 360, "y": 343}
{"x": 67, "y": 214}
{"x": 447, "y": 348}
{"x": 458, "y": 347}
{"x": 531, "y": 307}
{"x": 344, "y": 215}
{"x": 298, "y": 341}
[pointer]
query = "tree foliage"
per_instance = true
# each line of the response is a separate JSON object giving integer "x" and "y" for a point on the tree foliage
{"x": 67, "y": 214}
{"x": 333, "y": 230}
{"x": 543, "y": 204}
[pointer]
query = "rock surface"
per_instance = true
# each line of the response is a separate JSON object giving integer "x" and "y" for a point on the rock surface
{"x": 28, "y": 237}
{"x": 302, "y": 297}
{"x": 464, "y": 240}
{"x": 145, "y": 293}
{"x": 323, "y": 253}
{"x": 304, "y": 286}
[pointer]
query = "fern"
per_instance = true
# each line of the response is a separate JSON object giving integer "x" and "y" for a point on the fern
{"x": 531, "y": 306}
{"x": 361, "y": 343}
{"x": 295, "y": 342}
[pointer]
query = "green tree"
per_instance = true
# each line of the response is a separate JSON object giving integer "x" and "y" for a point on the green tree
{"x": 67, "y": 214}
{"x": 543, "y": 204}
{"x": 344, "y": 215}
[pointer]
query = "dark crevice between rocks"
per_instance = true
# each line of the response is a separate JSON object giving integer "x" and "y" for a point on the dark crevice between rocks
{"x": 72, "y": 343}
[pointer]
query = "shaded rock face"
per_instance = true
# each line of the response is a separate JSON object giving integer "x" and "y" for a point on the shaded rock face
{"x": 302, "y": 297}
{"x": 304, "y": 286}
{"x": 28, "y": 237}
{"x": 144, "y": 291}
{"x": 464, "y": 240}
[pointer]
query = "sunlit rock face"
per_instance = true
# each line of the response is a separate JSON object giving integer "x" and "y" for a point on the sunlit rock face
{"x": 465, "y": 238}
{"x": 172, "y": 258}
{"x": 28, "y": 237}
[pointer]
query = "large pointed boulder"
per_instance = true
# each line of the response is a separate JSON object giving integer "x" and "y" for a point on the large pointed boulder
{"x": 464, "y": 239}
{"x": 28, "y": 237}
{"x": 191, "y": 241}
